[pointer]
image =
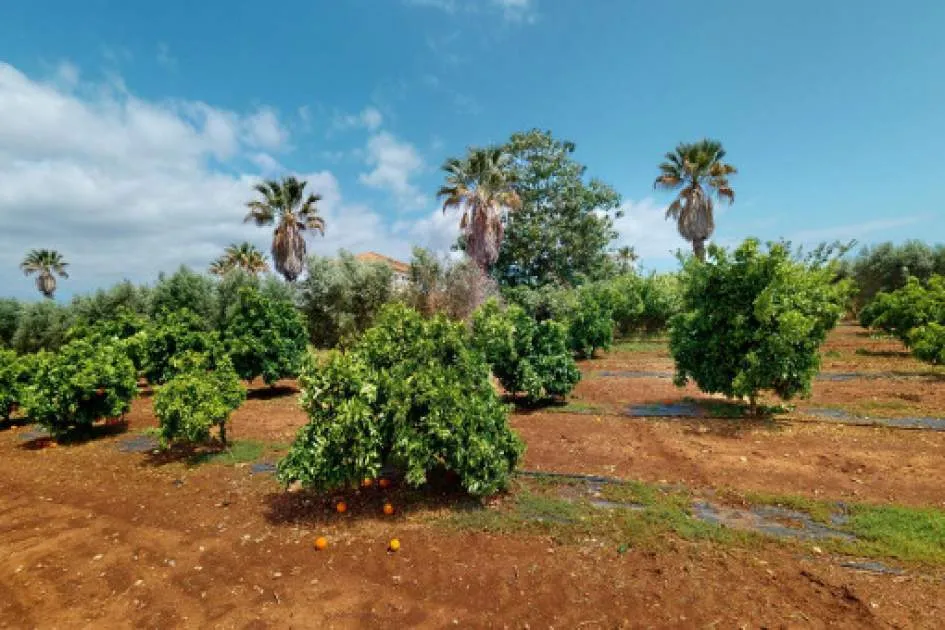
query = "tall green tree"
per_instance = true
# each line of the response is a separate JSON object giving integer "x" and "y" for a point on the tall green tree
{"x": 698, "y": 172}
{"x": 47, "y": 263}
{"x": 562, "y": 231}
{"x": 480, "y": 186}
{"x": 244, "y": 256}
{"x": 286, "y": 205}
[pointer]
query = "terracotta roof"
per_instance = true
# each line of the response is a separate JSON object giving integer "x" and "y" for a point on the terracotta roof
{"x": 396, "y": 265}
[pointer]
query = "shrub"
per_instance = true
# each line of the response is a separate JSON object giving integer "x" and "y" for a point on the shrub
{"x": 83, "y": 382}
{"x": 197, "y": 398}
{"x": 411, "y": 393}
{"x": 42, "y": 326}
{"x": 886, "y": 267}
{"x": 172, "y": 334}
{"x": 455, "y": 289}
{"x": 184, "y": 289}
{"x": 265, "y": 337}
{"x": 340, "y": 298}
{"x": 526, "y": 356}
{"x": 753, "y": 321}
{"x": 104, "y": 304}
{"x": 9, "y": 320}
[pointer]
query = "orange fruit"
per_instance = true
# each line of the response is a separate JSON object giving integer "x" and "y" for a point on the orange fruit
{"x": 367, "y": 482}
{"x": 321, "y": 542}
{"x": 384, "y": 482}
{"x": 394, "y": 545}
{"x": 388, "y": 509}
{"x": 342, "y": 507}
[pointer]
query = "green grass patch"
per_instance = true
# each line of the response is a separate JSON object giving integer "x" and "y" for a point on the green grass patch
{"x": 654, "y": 344}
{"x": 236, "y": 452}
{"x": 656, "y": 516}
{"x": 578, "y": 406}
{"x": 819, "y": 511}
{"x": 906, "y": 533}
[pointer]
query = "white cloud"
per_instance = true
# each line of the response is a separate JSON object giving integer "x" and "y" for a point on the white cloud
{"x": 511, "y": 10}
{"x": 645, "y": 227}
{"x": 370, "y": 118}
{"x": 125, "y": 187}
{"x": 264, "y": 130}
{"x": 517, "y": 10}
{"x": 437, "y": 231}
{"x": 394, "y": 162}
{"x": 854, "y": 230}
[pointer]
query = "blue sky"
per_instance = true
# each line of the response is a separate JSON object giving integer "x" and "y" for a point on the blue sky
{"x": 131, "y": 133}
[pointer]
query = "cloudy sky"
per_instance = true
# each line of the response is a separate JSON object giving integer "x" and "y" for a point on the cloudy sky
{"x": 131, "y": 134}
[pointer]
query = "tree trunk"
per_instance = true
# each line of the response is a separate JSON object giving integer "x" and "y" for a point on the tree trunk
{"x": 223, "y": 433}
{"x": 698, "y": 248}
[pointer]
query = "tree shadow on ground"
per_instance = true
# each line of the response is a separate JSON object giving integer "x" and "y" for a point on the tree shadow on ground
{"x": 523, "y": 404}
{"x": 309, "y": 507}
{"x": 78, "y": 436}
{"x": 6, "y": 425}
{"x": 269, "y": 393}
{"x": 189, "y": 454}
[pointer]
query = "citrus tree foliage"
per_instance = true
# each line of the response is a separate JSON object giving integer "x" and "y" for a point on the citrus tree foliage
{"x": 915, "y": 314}
{"x": 265, "y": 337}
{"x": 900, "y": 311}
{"x": 341, "y": 297}
{"x": 928, "y": 342}
{"x": 561, "y": 233}
{"x": 753, "y": 321}
{"x": 229, "y": 285}
{"x": 412, "y": 393}
{"x": 123, "y": 327}
{"x": 173, "y": 333}
{"x": 661, "y": 295}
{"x": 201, "y": 395}
{"x": 9, "y": 382}
{"x": 81, "y": 383}
{"x": 587, "y": 311}
{"x": 525, "y": 355}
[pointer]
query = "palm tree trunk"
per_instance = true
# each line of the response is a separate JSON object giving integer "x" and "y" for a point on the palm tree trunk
{"x": 698, "y": 248}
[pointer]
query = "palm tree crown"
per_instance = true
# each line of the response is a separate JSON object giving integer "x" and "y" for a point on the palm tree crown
{"x": 48, "y": 263}
{"x": 286, "y": 204}
{"x": 245, "y": 256}
{"x": 697, "y": 171}
{"x": 481, "y": 186}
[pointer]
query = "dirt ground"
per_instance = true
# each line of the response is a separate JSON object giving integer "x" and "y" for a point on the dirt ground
{"x": 91, "y": 537}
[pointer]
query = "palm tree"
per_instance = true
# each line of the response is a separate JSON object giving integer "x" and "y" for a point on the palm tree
{"x": 698, "y": 172}
{"x": 480, "y": 184}
{"x": 285, "y": 204}
{"x": 48, "y": 263}
{"x": 245, "y": 256}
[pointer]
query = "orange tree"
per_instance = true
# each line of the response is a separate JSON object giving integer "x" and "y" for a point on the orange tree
{"x": 411, "y": 393}
{"x": 754, "y": 320}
